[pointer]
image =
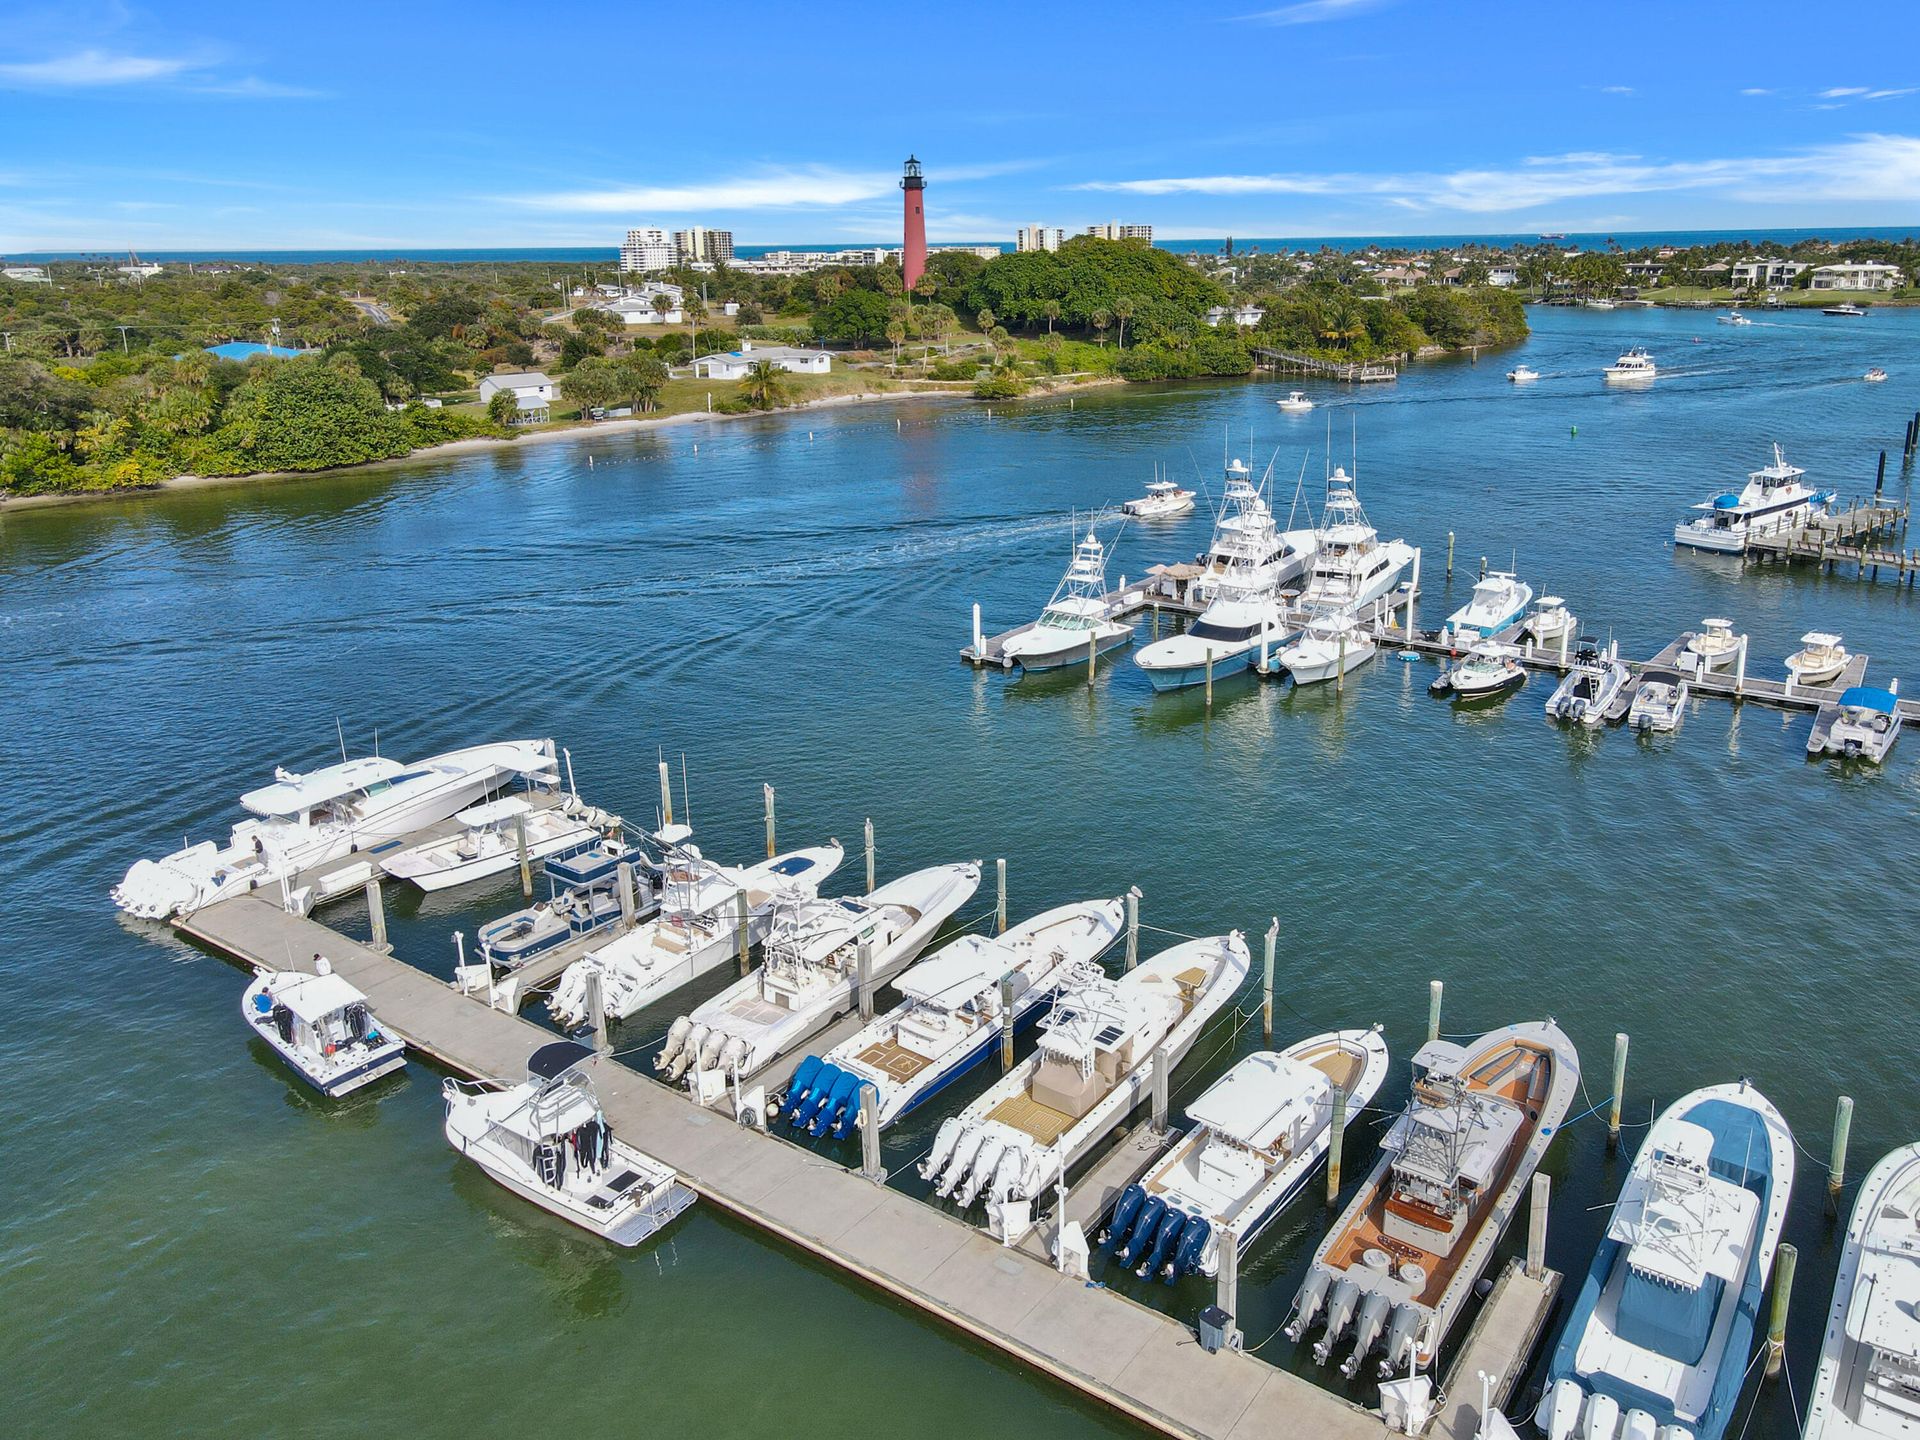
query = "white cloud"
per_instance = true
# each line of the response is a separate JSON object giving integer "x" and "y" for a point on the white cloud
{"x": 252, "y": 87}
{"x": 1841, "y": 92}
{"x": 771, "y": 190}
{"x": 1756, "y": 90}
{"x": 90, "y": 68}
{"x": 1616, "y": 90}
{"x": 1312, "y": 12}
{"x": 1863, "y": 167}
{"x": 1889, "y": 94}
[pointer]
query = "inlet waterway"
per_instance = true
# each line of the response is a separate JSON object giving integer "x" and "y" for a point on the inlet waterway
{"x": 189, "y": 1243}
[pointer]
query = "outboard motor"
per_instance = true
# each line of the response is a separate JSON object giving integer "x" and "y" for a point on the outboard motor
{"x": 1366, "y": 1330}
{"x": 848, "y": 1120}
{"x": 1141, "y": 1236}
{"x": 1192, "y": 1247}
{"x": 1306, "y": 1305}
{"x": 676, "y": 1039}
{"x": 823, "y": 1084}
{"x": 960, "y": 1157}
{"x": 733, "y": 1055}
{"x": 1010, "y": 1175}
{"x": 1164, "y": 1240}
{"x": 1602, "y": 1418}
{"x": 689, "y": 1053}
{"x": 1128, "y": 1205}
{"x": 943, "y": 1142}
{"x": 1640, "y": 1425}
{"x": 711, "y": 1042}
{"x": 984, "y": 1159}
{"x": 1346, "y": 1295}
{"x": 845, "y": 1087}
{"x": 805, "y": 1085}
{"x": 1400, "y": 1337}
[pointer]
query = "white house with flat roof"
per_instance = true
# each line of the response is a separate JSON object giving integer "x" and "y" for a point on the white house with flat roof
{"x": 1760, "y": 273}
{"x": 1858, "y": 275}
{"x": 26, "y": 274}
{"x": 525, "y": 384}
{"x": 734, "y": 364}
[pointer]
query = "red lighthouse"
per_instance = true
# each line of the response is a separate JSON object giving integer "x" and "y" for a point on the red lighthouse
{"x": 913, "y": 263}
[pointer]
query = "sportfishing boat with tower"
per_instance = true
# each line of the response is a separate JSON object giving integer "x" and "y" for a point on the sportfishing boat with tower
{"x": 1352, "y": 566}
{"x": 1775, "y": 498}
{"x": 548, "y": 1140}
{"x": 1259, "y": 1132}
{"x": 1250, "y": 552}
{"x": 1094, "y": 1063}
{"x": 811, "y": 973}
{"x": 306, "y": 819}
{"x": 698, "y": 928}
{"x": 1868, "y": 1386}
{"x": 1657, "y": 1343}
{"x": 1403, "y": 1257}
{"x": 957, "y": 1004}
{"x": 1163, "y": 501}
{"x": 1077, "y": 621}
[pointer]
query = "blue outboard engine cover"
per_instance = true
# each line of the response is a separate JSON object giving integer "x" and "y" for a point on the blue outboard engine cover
{"x": 1141, "y": 1235}
{"x": 1193, "y": 1244}
{"x": 1164, "y": 1239}
{"x": 1131, "y": 1199}
{"x": 845, "y": 1088}
{"x": 800, "y": 1111}
{"x": 847, "y": 1120}
{"x": 802, "y": 1082}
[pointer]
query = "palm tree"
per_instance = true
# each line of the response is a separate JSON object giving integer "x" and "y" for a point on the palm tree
{"x": 896, "y": 332}
{"x": 763, "y": 386}
{"x": 1052, "y": 311}
{"x": 1123, "y": 308}
{"x": 1100, "y": 320}
{"x": 985, "y": 321}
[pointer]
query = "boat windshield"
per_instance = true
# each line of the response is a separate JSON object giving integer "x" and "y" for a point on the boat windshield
{"x": 1211, "y": 630}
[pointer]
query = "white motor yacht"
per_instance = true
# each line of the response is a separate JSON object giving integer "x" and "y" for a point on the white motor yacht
{"x": 1296, "y": 402}
{"x": 1868, "y": 1386}
{"x": 1845, "y": 308}
{"x": 1094, "y": 1063}
{"x": 1164, "y": 500}
{"x": 490, "y": 843}
{"x": 1499, "y": 599}
{"x": 1329, "y": 647}
{"x": 956, "y": 1005}
{"x": 1227, "y": 637}
{"x": 322, "y": 1027}
{"x": 1522, "y": 374}
{"x": 1249, "y": 552}
{"x": 1591, "y": 685}
{"x": 1734, "y": 317}
{"x": 810, "y": 974}
{"x": 1819, "y": 660}
{"x": 1352, "y": 566}
{"x": 1487, "y": 670}
{"x": 548, "y": 1141}
{"x": 1634, "y": 367}
{"x": 1659, "y": 1339}
{"x": 303, "y": 820}
{"x": 1078, "y": 620}
{"x": 698, "y": 928}
{"x": 1713, "y": 646}
{"x": 1549, "y": 620}
{"x": 1659, "y": 703}
{"x": 1775, "y": 498}
{"x": 1258, "y": 1132}
{"x": 1865, "y": 728}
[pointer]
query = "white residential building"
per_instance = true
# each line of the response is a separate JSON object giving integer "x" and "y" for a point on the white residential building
{"x": 648, "y": 248}
{"x": 1114, "y": 230}
{"x": 1858, "y": 275}
{"x": 1244, "y": 315}
{"x": 26, "y": 274}
{"x": 734, "y": 364}
{"x": 703, "y": 247}
{"x": 140, "y": 269}
{"x": 1503, "y": 277}
{"x": 1761, "y": 273}
{"x": 525, "y": 385}
{"x": 1037, "y": 237}
{"x": 985, "y": 252}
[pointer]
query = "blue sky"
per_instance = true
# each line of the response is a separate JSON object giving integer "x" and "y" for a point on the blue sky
{"x": 206, "y": 124}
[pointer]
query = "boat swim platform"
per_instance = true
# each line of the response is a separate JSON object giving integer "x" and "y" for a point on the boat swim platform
{"x": 1126, "y": 1356}
{"x": 1501, "y": 1342}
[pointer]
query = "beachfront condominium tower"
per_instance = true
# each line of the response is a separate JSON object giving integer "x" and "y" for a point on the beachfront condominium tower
{"x": 1038, "y": 237}
{"x": 1114, "y": 230}
{"x": 703, "y": 247}
{"x": 913, "y": 259}
{"x": 646, "y": 249}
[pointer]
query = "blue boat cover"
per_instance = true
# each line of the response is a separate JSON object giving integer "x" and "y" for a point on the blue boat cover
{"x": 1726, "y": 502}
{"x": 1869, "y": 697}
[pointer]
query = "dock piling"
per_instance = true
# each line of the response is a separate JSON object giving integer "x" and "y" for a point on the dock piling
{"x": 1565, "y": 630}
{"x": 870, "y": 881}
{"x": 628, "y": 905}
{"x": 597, "y": 1010}
{"x": 979, "y": 653}
{"x": 1226, "y": 1290}
{"x": 1619, "y": 1088}
{"x": 768, "y": 797}
{"x": 1740, "y": 670}
{"x": 1837, "y": 1166}
{"x": 1340, "y": 666}
{"x": 666, "y": 796}
{"x": 1209, "y": 679}
{"x": 1880, "y": 479}
{"x": 1156, "y": 620}
{"x": 870, "y": 1165}
{"x": 1483, "y": 567}
{"x": 1785, "y": 1263}
{"x": 1266, "y": 981}
{"x": 1435, "y": 989}
{"x": 520, "y": 852}
{"x": 863, "y": 959}
{"x": 1000, "y": 907}
{"x": 1093, "y": 654}
{"x": 741, "y": 937}
{"x": 377, "y": 916}
{"x": 1133, "y": 927}
{"x": 1336, "y": 1138}
{"x": 1160, "y": 1090}
{"x": 1449, "y": 554}
{"x": 1537, "y": 1227}
{"x": 1006, "y": 1023}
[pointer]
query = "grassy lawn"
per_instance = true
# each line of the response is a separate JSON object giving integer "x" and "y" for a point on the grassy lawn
{"x": 1688, "y": 294}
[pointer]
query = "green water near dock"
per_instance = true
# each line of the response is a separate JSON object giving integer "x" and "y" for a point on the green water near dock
{"x": 189, "y": 1243}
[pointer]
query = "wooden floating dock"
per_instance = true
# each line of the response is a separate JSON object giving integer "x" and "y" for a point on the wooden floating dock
{"x": 1352, "y": 372}
{"x": 1846, "y": 538}
{"x": 1131, "y": 1358}
{"x": 1500, "y": 1343}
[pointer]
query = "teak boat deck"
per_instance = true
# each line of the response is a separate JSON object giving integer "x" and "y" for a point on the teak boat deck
{"x": 893, "y": 1060}
{"x": 1518, "y": 1073}
{"x": 1024, "y": 1113}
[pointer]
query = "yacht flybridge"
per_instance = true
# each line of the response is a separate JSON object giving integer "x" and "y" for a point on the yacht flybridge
{"x": 811, "y": 974}
{"x": 1077, "y": 620}
{"x": 1094, "y": 1063}
{"x": 1868, "y": 1387}
{"x": 1658, "y": 1341}
{"x": 1250, "y": 552}
{"x": 303, "y": 820}
{"x": 697, "y": 929}
{"x": 547, "y": 1140}
{"x": 1499, "y": 600}
{"x": 954, "y": 1008}
{"x": 1352, "y": 566}
{"x": 1636, "y": 367}
{"x": 1403, "y": 1257}
{"x": 1776, "y": 497}
{"x": 1259, "y": 1131}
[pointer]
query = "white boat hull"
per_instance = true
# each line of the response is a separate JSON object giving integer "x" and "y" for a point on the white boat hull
{"x": 1058, "y": 650}
{"x": 1317, "y": 662}
{"x": 341, "y": 1073}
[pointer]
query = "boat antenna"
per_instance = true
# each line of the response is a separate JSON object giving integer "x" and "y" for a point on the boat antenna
{"x": 1355, "y": 442}
{"x": 342, "y": 734}
{"x": 376, "y": 742}
{"x": 686, "y": 795}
